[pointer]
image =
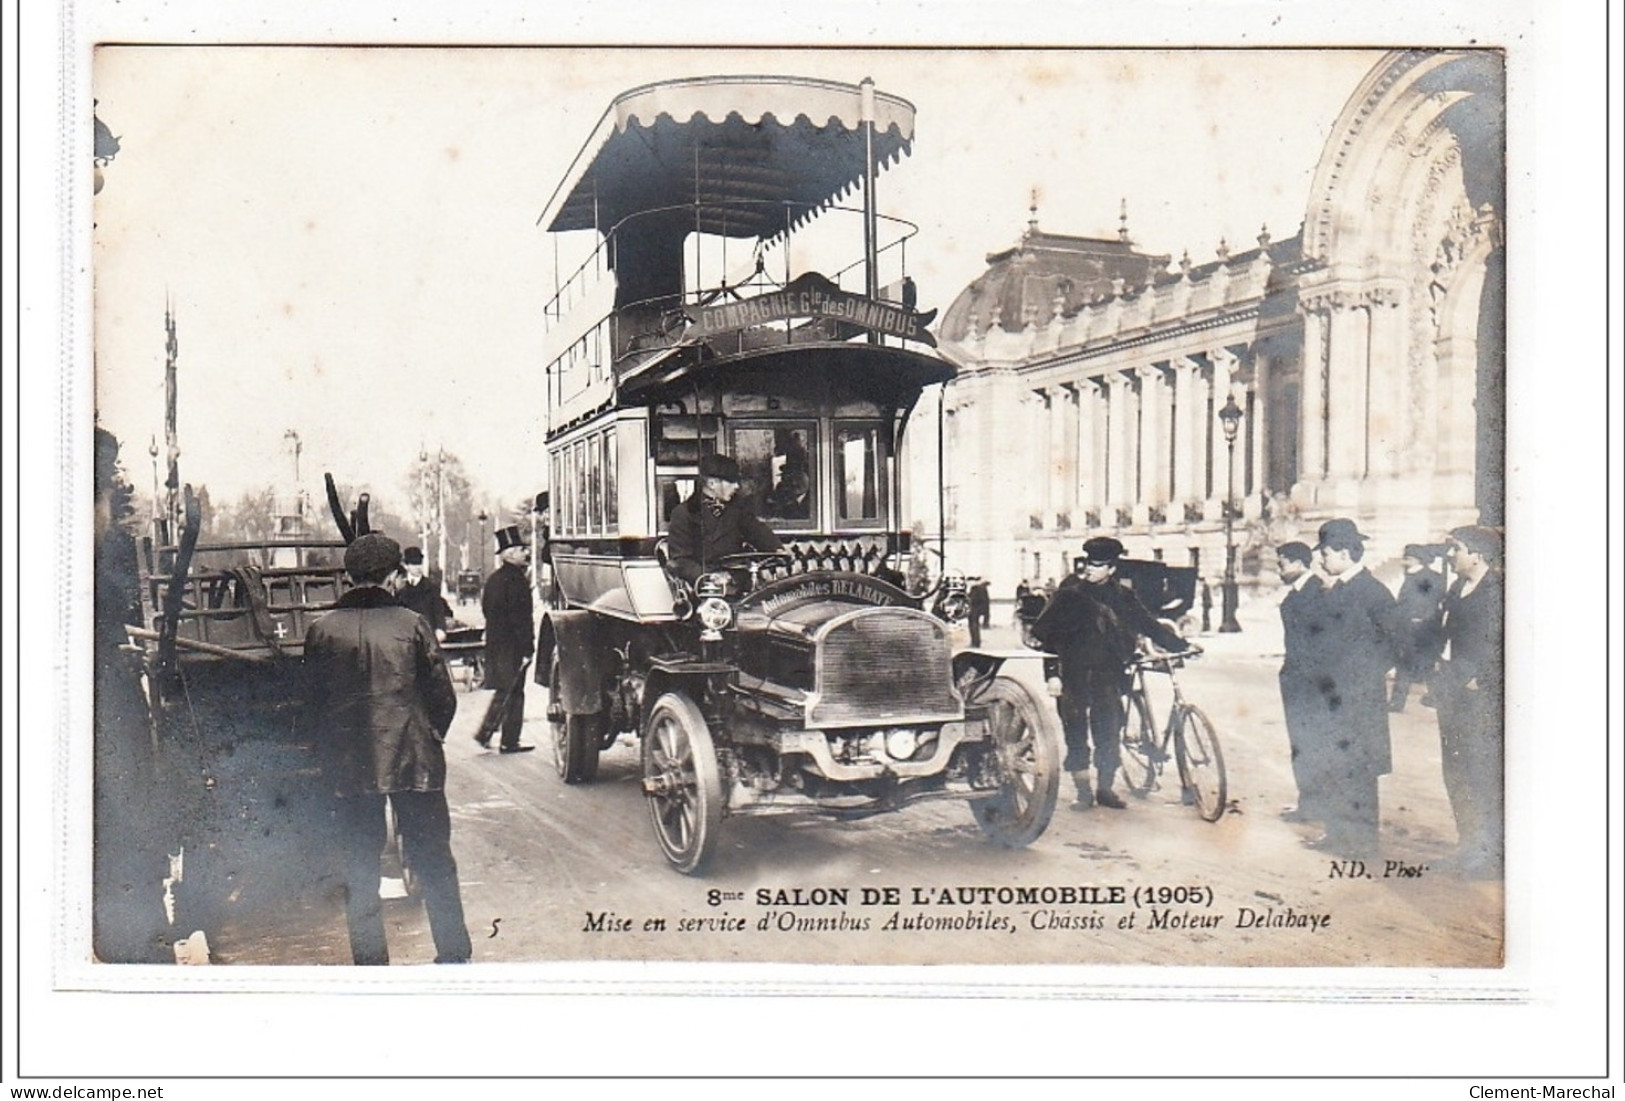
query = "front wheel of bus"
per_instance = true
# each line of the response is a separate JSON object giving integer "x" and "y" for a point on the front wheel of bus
{"x": 576, "y": 738}
{"x": 682, "y": 782}
{"x": 1026, "y": 736}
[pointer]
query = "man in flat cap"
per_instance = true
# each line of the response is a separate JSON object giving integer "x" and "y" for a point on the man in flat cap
{"x": 1303, "y": 630}
{"x": 1469, "y": 690}
{"x": 1094, "y": 625}
{"x": 382, "y": 700}
{"x": 714, "y": 522}
{"x": 1420, "y": 592}
{"x": 422, "y": 595}
{"x": 510, "y": 636}
{"x": 1361, "y": 645}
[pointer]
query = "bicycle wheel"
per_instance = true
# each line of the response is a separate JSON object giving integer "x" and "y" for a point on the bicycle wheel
{"x": 1201, "y": 763}
{"x": 1141, "y": 753}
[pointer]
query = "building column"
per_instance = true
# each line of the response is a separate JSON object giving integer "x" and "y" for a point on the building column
{"x": 1066, "y": 453}
{"x": 1083, "y": 489}
{"x": 1258, "y": 420}
{"x": 1118, "y": 476}
{"x": 1388, "y": 382}
{"x": 1223, "y": 364}
{"x": 1153, "y": 436}
{"x": 1184, "y": 446}
{"x": 1312, "y": 397}
{"x": 1347, "y": 396}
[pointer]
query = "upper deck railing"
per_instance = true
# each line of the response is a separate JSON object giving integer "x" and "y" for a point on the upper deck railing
{"x": 583, "y": 308}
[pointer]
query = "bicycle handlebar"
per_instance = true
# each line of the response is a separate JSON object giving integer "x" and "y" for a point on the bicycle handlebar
{"x": 1168, "y": 660}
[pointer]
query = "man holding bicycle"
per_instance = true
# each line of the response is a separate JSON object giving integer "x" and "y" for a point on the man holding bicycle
{"x": 1095, "y": 625}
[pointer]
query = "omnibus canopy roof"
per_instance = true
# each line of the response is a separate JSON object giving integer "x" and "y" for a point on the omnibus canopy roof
{"x": 733, "y": 149}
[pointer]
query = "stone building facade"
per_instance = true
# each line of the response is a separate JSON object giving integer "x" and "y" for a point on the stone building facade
{"x": 1366, "y": 355}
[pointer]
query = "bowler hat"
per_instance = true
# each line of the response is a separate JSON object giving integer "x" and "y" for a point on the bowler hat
{"x": 1419, "y": 552}
{"x": 719, "y": 466}
{"x": 1102, "y": 549}
{"x": 1340, "y": 535}
{"x": 1482, "y": 541}
{"x": 371, "y": 558}
{"x": 509, "y": 536}
{"x": 412, "y": 556}
{"x": 1295, "y": 552}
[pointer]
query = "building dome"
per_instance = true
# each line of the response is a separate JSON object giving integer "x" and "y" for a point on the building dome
{"x": 1024, "y": 284}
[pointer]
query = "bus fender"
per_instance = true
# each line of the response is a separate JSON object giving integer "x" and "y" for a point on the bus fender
{"x": 584, "y": 665}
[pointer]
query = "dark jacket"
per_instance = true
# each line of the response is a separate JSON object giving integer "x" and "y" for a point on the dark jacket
{"x": 380, "y": 697}
{"x": 696, "y": 538}
{"x": 510, "y": 634}
{"x": 423, "y": 597}
{"x": 1363, "y": 642}
{"x": 1098, "y": 626}
{"x": 1303, "y": 627}
{"x": 1472, "y": 628}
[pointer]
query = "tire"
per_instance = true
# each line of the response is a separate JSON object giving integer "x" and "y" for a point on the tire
{"x": 1141, "y": 753}
{"x": 1201, "y": 763}
{"x": 576, "y": 738}
{"x": 1027, "y": 737}
{"x": 681, "y": 782}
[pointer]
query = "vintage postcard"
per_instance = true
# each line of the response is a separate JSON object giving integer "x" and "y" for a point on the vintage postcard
{"x": 927, "y": 518}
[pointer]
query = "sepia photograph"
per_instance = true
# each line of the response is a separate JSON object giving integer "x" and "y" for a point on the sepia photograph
{"x": 735, "y": 519}
{"x": 1041, "y": 558}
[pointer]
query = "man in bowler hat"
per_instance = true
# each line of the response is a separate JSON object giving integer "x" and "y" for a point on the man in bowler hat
{"x": 1361, "y": 645}
{"x": 1094, "y": 625}
{"x": 510, "y": 635}
{"x": 381, "y": 701}
{"x": 1470, "y": 693}
{"x": 1303, "y": 630}
{"x": 714, "y": 522}
{"x": 422, "y": 595}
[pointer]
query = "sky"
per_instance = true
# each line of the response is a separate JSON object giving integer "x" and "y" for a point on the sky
{"x": 348, "y": 236}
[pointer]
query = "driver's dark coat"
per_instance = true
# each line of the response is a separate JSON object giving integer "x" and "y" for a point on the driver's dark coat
{"x": 696, "y": 539}
{"x": 379, "y": 694}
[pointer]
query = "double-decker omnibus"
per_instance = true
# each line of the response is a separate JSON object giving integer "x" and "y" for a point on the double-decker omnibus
{"x": 718, "y": 294}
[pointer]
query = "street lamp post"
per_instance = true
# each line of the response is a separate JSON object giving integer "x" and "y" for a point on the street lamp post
{"x": 1230, "y": 418}
{"x": 482, "y": 517}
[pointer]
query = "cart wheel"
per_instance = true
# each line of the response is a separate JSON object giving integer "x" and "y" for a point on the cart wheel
{"x": 575, "y": 738}
{"x": 681, "y": 781}
{"x": 1026, "y": 737}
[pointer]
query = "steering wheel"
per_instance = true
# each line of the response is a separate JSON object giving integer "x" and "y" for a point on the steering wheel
{"x": 752, "y": 560}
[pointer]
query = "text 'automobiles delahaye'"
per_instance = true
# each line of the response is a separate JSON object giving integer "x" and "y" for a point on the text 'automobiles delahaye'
{"x": 808, "y": 680}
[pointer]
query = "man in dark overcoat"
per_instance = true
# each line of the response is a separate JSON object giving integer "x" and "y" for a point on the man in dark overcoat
{"x": 1094, "y": 625}
{"x": 423, "y": 595}
{"x": 510, "y": 635}
{"x": 1361, "y": 645}
{"x": 1303, "y": 633}
{"x": 381, "y": 702}
{"x": 1470, "y": 693}
{"x": 714, "y": 522}
{"x": 1420, "y": 592}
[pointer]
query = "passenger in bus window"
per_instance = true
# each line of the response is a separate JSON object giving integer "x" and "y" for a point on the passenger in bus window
{"x": 715, "y": 522}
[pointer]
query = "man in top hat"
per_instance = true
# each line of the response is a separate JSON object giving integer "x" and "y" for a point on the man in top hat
{"x": 1469, "y": 691}
{"x": 1094, "y": 625}
{"x": 422, "y": 595}
{"x": 1420, "y": 592}
{"x": 382, "y": 701}
{"x": 715, "y": 521}
{"x": 1361, "y": 645}
{"x": 510, "y": 635}
{"x": 1303, "y": 631}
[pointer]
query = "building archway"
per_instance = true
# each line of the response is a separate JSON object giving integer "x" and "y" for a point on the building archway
{"x": 1402, "y": 413}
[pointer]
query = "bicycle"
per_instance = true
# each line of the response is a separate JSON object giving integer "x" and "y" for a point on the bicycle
{"x": 1195, "y": 742}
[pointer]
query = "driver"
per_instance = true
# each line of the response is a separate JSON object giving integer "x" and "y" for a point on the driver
{"x": 715, "y": 522}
